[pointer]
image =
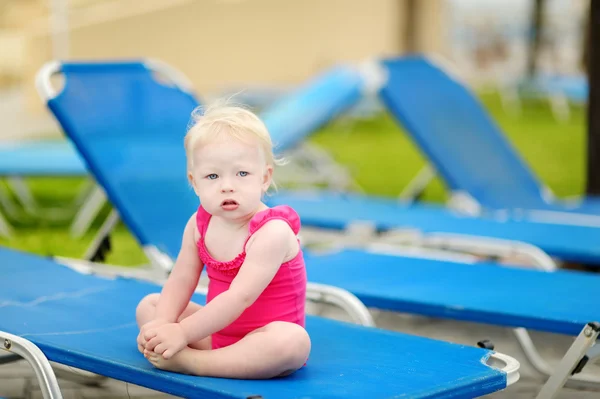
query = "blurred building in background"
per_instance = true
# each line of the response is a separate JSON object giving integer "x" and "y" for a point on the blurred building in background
{"x": 218, "y": 44}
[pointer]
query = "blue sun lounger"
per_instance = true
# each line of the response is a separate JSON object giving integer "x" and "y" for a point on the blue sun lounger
{"x": 433, "y": 226}
{"x": 141, "y": 160}
{"x": 466, "y": 147}
{"x": 88, "y": 322}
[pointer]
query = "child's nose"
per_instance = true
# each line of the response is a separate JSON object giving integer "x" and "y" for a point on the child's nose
{"x": 226, "y": 187}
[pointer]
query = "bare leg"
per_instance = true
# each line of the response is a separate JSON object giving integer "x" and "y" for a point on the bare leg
{"x": 147, "y": 308}
{"x": 278, "y": 349}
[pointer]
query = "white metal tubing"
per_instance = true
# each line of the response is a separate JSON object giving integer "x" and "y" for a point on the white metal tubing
{"x": 36, "y": 358}
{"x": 342, "y": 298}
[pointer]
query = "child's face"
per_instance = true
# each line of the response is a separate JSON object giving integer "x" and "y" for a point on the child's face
{"x": 230, "y": 176}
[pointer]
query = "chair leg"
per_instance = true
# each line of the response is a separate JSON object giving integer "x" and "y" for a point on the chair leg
{"x": 5, "y": 229}
{"x": 87, "y": 212}
{"x": 511, "y": 102}
{"x": 36, "y": 358}
{"x": 415, "y": 188}
{"x": 95, "y": 250}
{"x": 560, "y": 107}
{"x": 9, "y": 206}
{"x": 87, "y": 188}
{"x": 539, "y": 363}
{"x": 24, "y": 195}
{"x": 572, "y": 362}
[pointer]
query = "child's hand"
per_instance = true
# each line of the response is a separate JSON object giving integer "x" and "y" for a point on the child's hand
{"x": 166, "y": 340}
{"x": 141, "y": 341}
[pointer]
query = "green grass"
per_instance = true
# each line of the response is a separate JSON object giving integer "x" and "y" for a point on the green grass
{"x": 380, "y": 156}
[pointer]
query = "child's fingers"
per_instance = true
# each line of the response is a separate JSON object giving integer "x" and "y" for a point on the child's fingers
{"x": 167, "y": 354}
{"x": 148, "y": 335}
{"x": 151, "y": 344}
{"x": 160, "y": 348}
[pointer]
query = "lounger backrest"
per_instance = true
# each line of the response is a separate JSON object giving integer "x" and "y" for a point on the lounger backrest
{"x": 292, "y": 118}
{"x": 129, "y": 128}
{"x": 457, "y": 135}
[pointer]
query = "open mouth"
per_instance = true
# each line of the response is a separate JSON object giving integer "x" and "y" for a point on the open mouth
{"x": 229, "y": 204}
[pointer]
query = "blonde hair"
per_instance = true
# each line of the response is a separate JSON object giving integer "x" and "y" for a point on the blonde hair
{"x": 233, "y": 121}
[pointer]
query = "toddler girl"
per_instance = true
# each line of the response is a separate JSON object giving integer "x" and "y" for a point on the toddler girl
{"x": 252, "y": 325}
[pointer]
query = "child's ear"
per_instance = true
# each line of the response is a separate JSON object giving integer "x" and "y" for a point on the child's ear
{"x": 192, "y": 182}
{"x": 267, "y": 178}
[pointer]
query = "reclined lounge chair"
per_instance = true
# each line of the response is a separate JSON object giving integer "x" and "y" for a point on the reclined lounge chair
{"x": 51, "y": 312}
{"x": 469, "y": 151}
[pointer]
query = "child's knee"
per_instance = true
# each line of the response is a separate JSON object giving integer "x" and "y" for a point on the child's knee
{"x": 148, "y": 302}
{"x": 292, "y": 342}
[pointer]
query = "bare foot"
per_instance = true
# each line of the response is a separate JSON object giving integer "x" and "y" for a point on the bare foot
{"x": 180, "y": 363}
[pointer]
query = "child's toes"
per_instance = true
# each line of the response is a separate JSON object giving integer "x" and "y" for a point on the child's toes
{"x": 154, "y": 360}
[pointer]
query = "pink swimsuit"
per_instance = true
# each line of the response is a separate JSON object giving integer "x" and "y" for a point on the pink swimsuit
{"x": 284, "y": 297}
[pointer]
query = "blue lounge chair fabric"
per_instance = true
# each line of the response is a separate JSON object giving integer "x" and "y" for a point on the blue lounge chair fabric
{"x": 338, "y": 210}
{"x": 88, "y": 322}
{"x": 141, "y": 124}
{"x": 40, "y": 158}
{"x": 461, "y": 140}
{"x": 312, "y": 105}
{"x": 556, "y": 302}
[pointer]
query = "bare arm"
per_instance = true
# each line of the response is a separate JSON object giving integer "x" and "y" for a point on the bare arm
{"x": 264, "y": 256}
{"x": 183, "y": 280}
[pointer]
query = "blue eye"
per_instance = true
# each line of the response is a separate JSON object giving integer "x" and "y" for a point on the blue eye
{"x": 212, "y": 176}
{"x": 242, "y": 173}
